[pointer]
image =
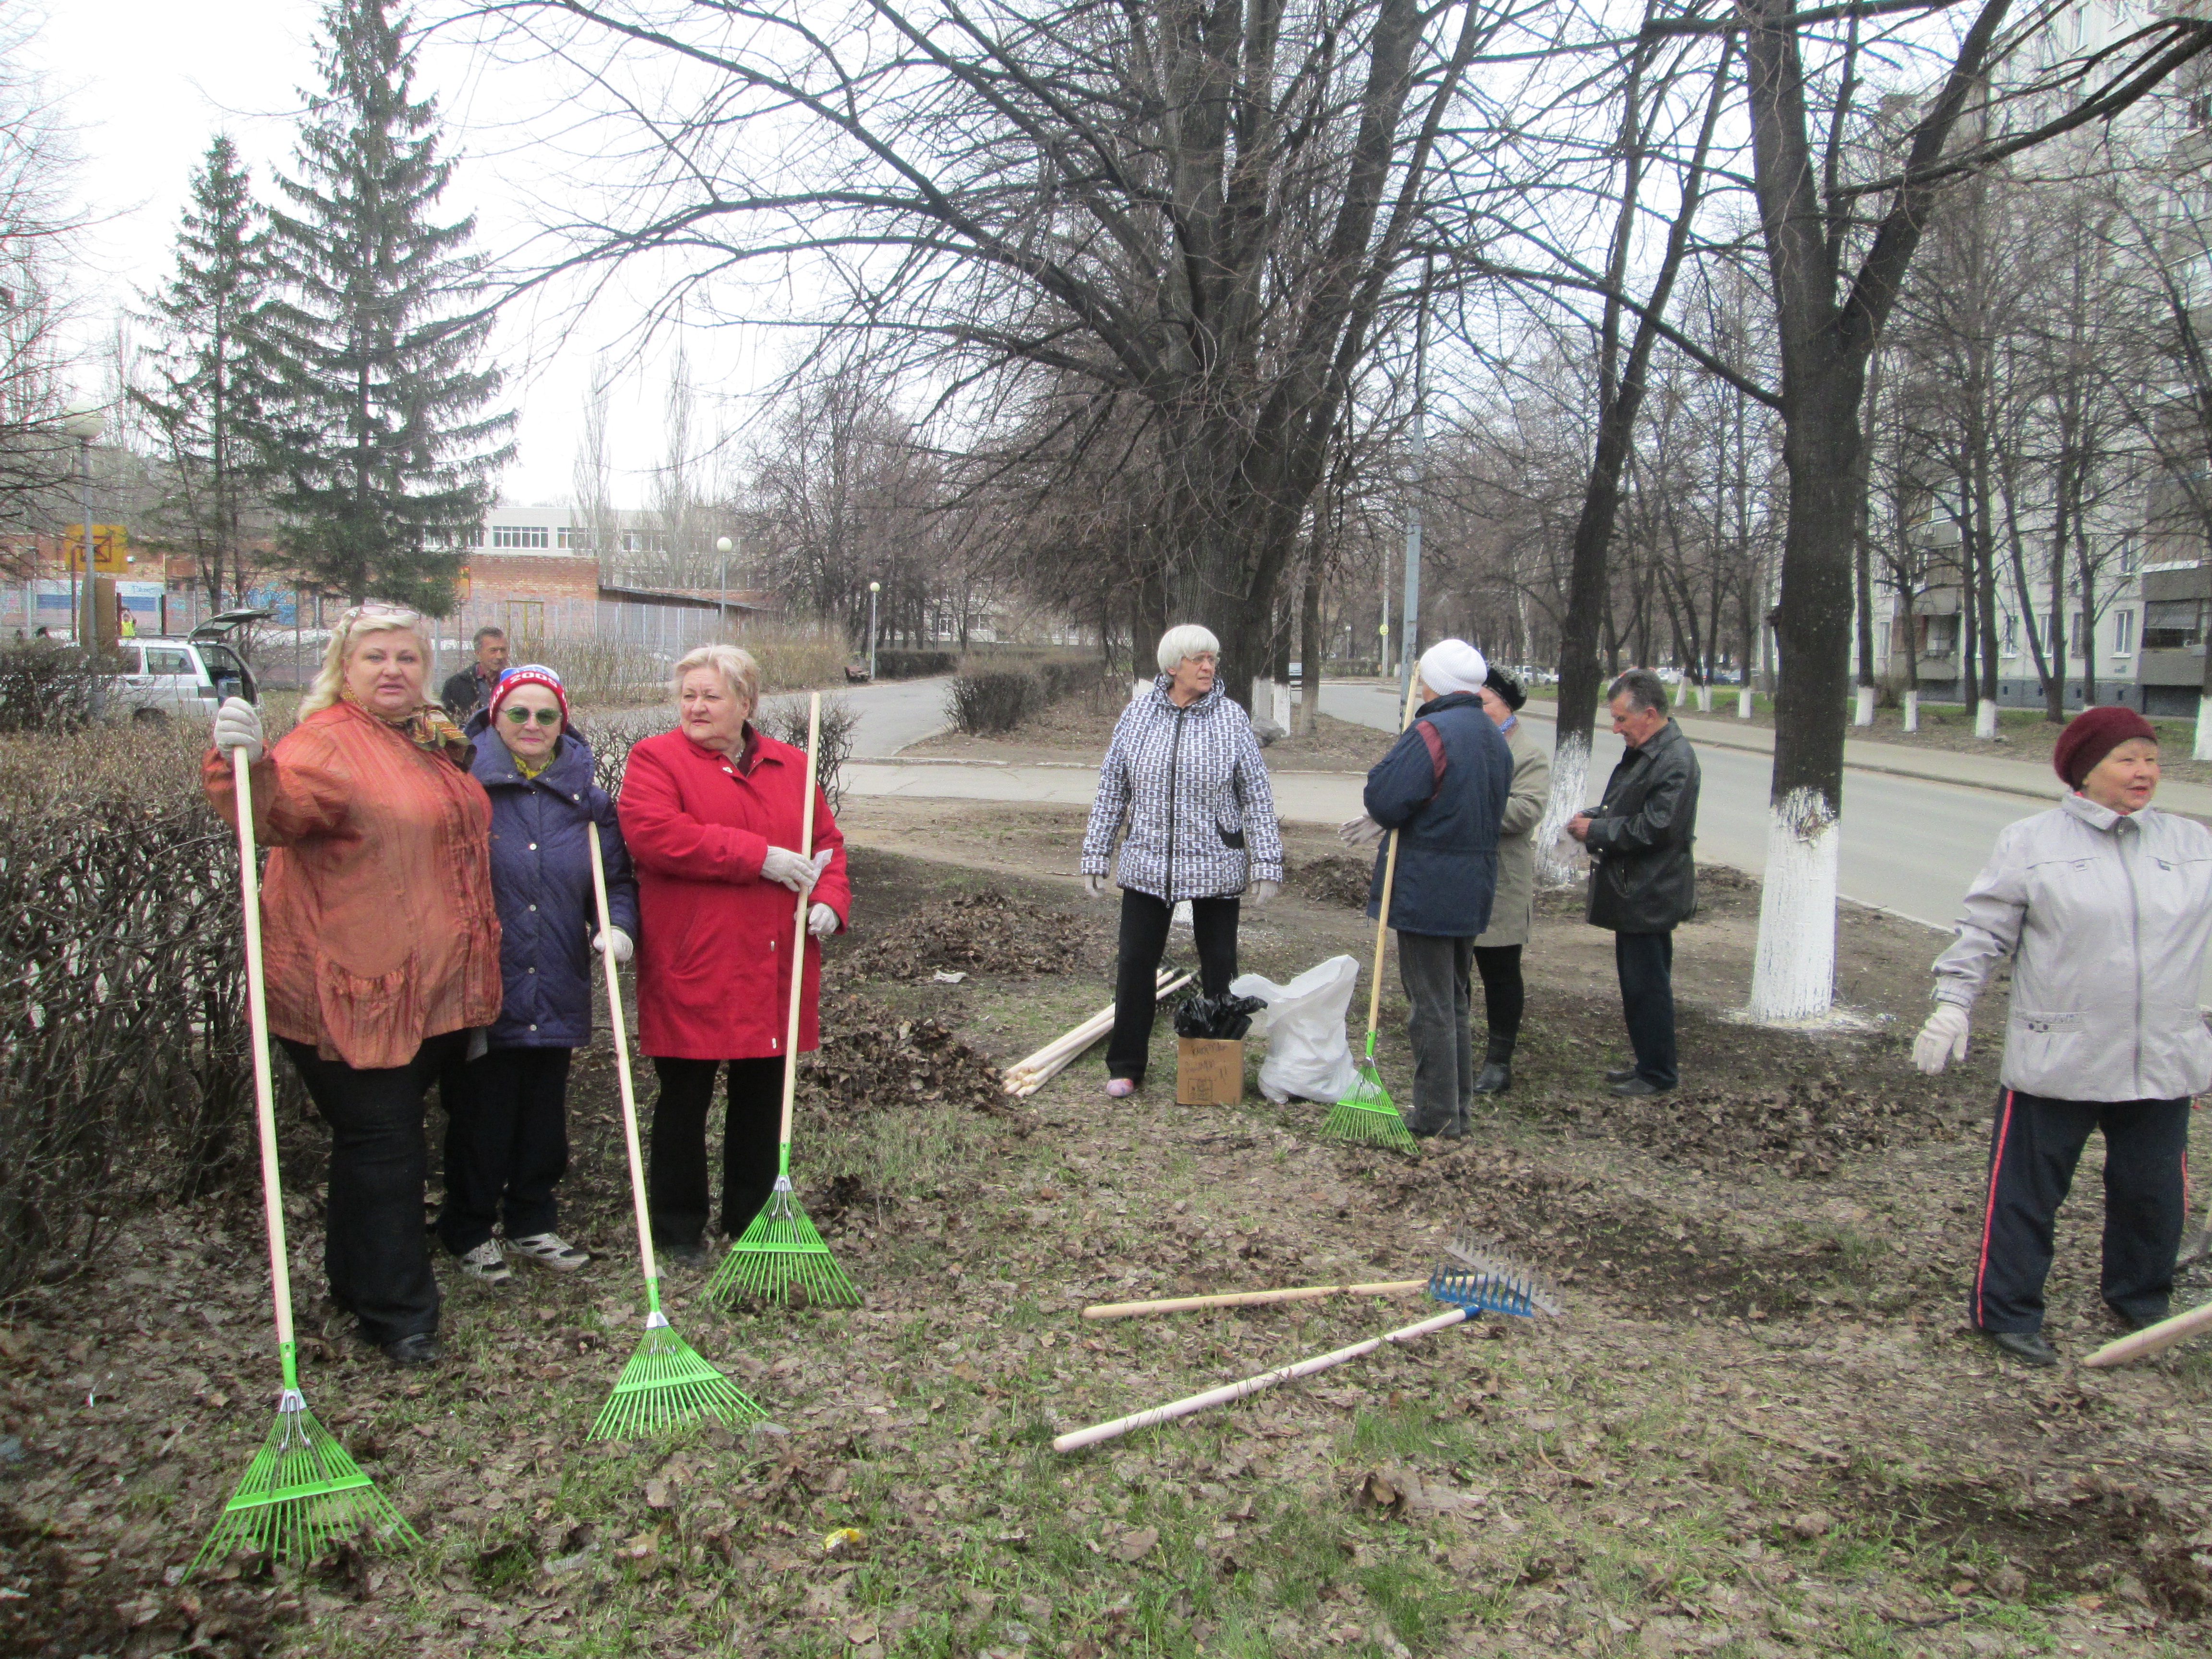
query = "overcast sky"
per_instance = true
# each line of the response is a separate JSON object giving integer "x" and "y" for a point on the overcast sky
{"x": 149, "y": 83}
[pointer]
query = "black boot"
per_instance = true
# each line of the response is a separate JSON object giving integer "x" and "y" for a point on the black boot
{"x": 1496, "y": 1076}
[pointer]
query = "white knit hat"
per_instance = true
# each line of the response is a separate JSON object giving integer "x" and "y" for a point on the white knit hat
{"x": 1450, "y": 665}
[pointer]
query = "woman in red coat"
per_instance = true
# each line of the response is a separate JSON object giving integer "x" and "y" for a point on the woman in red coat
{"x": 711, "y": 813}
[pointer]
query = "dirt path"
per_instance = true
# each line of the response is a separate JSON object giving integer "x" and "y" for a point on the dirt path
{"x": 1758, "y": 1430}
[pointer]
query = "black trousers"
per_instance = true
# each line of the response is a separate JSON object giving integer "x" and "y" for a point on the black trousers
{"x": 1503, "y": 996}
{"x": 676, "y": 1166}
{"x": 507, "y": 1145}
{"x": 374, "y": 1249}
{"x": 1144, "y": 941}
{"x": 2034, "y": 1145}
{"x": 1436, "y": 969}
{"x": 1646, "y": 965}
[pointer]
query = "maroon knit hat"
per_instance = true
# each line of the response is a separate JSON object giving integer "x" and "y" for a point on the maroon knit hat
{"x": 2093, "y": 734}
{"x": 534, "y": 673}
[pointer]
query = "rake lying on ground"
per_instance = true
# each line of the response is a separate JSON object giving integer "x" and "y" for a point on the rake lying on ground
{"x": 301, "y": 1493}
{"x": 780, "y": 1252}
{"x": 1479, "y": 1280}
{"x": 665, "y": 1384}
{"x": 1368, "y": 1113}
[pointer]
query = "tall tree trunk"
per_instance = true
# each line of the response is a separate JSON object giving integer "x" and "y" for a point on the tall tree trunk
{"x": 1309, "y": 643}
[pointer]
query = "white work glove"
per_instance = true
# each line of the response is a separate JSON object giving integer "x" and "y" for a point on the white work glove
{"x": 623, "y": 948}
{"x": 1094, "y": 885}
{"x": 1359, "y": 831}
{"x": 793, "y": 870}
{"x": 821, "y": 922}
{"x": 237, "y": 726}
{"x": 1941, "y": 1040}
{"x": 1263, "y": 891}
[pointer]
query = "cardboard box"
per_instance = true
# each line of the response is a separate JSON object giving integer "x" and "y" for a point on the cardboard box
{"x": 1208, "y": 1071}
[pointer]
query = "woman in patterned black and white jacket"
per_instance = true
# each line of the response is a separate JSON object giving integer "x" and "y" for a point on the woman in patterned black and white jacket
{"x": 1184, "y": 772}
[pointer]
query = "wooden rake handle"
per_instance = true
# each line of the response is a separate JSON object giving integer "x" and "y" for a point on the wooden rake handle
{"x": 2153, "y": 1339}
{"x": 264, "y": 1084}
{"x": 799, "y": 941}
{"x": 1389, "y": 878}
{"x": 1251, "y": 1298}
{"x": 1197, "y": 1402}
{"x": 622, "y": 1073}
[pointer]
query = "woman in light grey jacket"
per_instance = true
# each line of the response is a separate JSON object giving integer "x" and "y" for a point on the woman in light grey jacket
{"x": 2108, "y": 904}
{"x": 1184, "y": 772}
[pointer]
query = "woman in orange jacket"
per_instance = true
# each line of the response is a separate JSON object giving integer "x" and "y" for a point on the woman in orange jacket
{"x": 380, "y": 945}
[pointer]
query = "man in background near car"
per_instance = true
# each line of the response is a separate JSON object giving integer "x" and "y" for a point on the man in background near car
{"x": 471, "y": 689}
{"x": 1643, "y": 881}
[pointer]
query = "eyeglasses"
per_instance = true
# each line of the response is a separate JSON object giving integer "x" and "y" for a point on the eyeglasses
{"x": 523, "y": 716}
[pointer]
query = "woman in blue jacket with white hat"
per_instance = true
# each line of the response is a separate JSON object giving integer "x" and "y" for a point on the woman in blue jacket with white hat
{"x": 506, "y": 1134}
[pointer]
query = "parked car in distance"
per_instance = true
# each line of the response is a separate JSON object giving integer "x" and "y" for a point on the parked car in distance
{"x": 165, "y": 679}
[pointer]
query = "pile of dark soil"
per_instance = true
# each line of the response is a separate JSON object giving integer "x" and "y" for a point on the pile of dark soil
{"x": 1801, "y": 1130}
{"x": 983, "y": 932}
{"x": 1334, "y": 878}
{"x": 873, "y": 1059}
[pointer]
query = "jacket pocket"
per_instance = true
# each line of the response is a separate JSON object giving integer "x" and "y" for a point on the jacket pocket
{"x": 374, "y": 1022}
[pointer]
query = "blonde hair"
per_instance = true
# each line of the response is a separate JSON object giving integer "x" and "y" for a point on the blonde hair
{"x": 736, "y": 666}
{"x": 357, "y": 625}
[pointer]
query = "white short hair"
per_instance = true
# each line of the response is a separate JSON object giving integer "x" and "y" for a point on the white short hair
{"x": 735, "y": 664}
{"x": 1187, "y": 640}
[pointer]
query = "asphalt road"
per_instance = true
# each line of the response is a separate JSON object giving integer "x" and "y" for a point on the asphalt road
{"x": 1910, "y": 845}
{"x": 896, "y": 713}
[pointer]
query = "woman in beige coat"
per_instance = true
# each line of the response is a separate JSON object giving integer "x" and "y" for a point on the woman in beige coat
{"x": 1498, "y": 952}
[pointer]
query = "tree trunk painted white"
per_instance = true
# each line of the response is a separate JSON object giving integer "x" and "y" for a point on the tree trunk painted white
{"x": 1863, "y": 714}
{"x": 1138, "y": 688}
{"x": 1280, "y": 698}
{"x": 1985, "y": 718}
{"x": 1793, "y": 974}
{"x": 1181, "y": 918}
{"x": 1913, "y": 711}
{"x": 1569, "y": 779}
{"x": 1705, "y": 700}
{"x": 1744, "y": 704}
{"x": 2203, "y": 749}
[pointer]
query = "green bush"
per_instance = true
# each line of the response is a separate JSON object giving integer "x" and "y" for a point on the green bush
{"x": 914, "y": 664}
{"x": 997, "y": 700}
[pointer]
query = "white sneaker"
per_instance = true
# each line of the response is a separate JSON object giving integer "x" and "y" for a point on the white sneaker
{"x": 485, "y": 1263}
{"x": 550, "y": 1250}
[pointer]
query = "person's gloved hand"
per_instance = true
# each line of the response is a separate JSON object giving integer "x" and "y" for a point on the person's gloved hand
{"x": 1094, "y": 884}
{"x": 1263, "y": 891}
{"x": 793, "y": 870}
{"x": 821, "y": 922}
{"x": 623, "y": 948}
{"x": 1359, "y": 831}
{"x": 1941, "y": 1040}
{"x": 237, "y": 726}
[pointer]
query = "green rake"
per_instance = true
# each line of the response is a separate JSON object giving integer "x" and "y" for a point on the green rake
{"x": 780, "y": 1252}
{"x": 301, "y": 1493}
{"x": 666, "y": 1385}
{"x": 1368, "y": 1113}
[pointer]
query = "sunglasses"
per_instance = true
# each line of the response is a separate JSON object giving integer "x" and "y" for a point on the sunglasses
{"x": 523, "y": 716}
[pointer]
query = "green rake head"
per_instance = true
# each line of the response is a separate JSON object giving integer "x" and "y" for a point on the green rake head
{"x": 666, "y": 1386}
{"x": 1479, "y": 1276}
{"x": 780, "y": 1257}
{"x": 1368, "y": 1113}
{"x": 301, "y": 1497}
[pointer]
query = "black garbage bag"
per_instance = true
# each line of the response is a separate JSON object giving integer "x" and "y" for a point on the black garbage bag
{"x": 1223, "y": 1018}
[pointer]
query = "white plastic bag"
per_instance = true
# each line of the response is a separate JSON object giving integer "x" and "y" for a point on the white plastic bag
{"x": 1308, "y": 1056}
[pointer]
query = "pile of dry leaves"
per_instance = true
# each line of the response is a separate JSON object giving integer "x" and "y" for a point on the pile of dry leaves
{"x": 873, "y": 1059}
{"x": 982, "y": 932}
{"x": 1334, "y": 878}
{"x": 1802, "y": 1129}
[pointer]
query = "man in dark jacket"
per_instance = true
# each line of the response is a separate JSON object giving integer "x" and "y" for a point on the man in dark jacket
{"x": 1443, "y": 786}
{"x": 471, "y": 689}
{"x": 1643, "y": 881}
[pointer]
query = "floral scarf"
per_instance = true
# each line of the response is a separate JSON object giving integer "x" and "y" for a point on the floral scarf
{"x": 426, "y": 727}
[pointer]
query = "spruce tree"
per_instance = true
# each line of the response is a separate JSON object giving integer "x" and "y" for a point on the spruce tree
{"x": 381, "y": 450}
{"x": 210, "y": 402}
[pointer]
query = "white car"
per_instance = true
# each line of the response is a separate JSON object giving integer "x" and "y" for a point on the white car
{"x": 165, "y": 679}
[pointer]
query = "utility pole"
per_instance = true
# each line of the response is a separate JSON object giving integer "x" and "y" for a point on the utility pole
{"x": 1410, "y": 612}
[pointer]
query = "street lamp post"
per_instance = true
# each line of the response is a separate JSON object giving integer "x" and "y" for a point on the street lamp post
{"x": 874, "y": 588}
{"x": 83, "y": 422}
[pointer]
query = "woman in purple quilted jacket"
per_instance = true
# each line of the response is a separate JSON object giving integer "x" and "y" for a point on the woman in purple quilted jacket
{"x": 1184, "y": 773}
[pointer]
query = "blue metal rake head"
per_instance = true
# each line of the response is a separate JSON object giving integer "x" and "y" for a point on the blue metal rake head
{"x": 1481, "y": 1278}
